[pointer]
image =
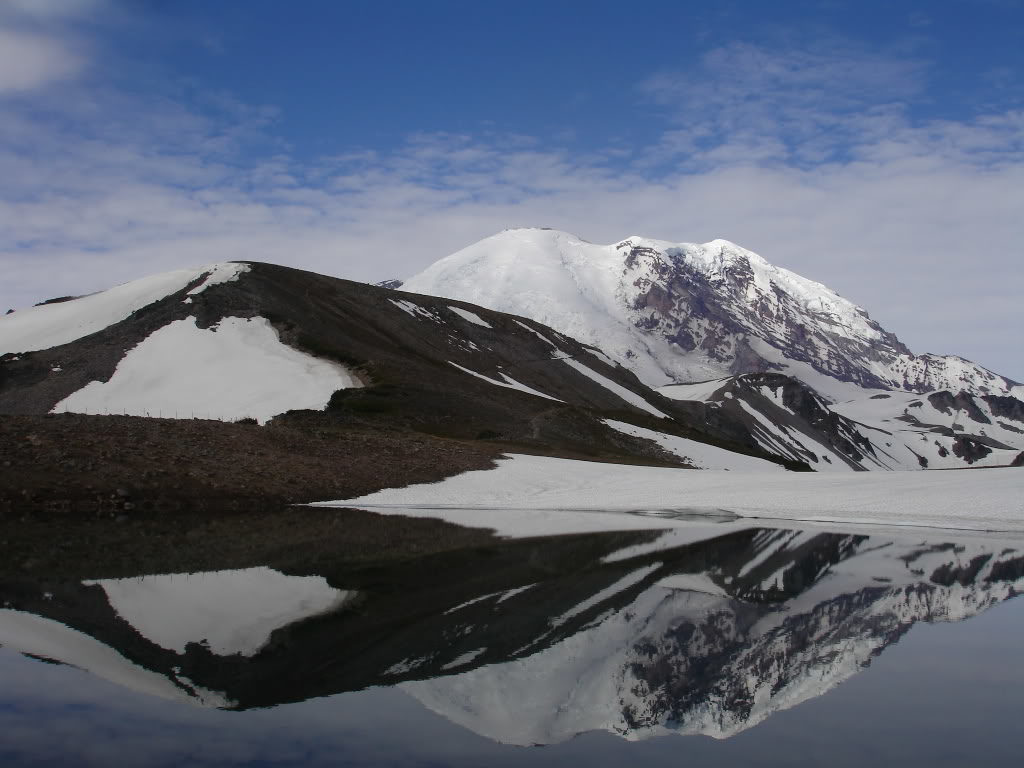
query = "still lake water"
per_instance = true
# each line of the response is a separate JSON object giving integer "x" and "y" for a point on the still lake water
{"x": 748, "y": 646}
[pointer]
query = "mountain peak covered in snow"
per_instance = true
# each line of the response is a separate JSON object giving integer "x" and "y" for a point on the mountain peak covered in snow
{"x": 687, "y": 312}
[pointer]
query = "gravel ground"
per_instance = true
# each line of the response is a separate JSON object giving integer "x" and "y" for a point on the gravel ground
{"x": 78, "y": 465}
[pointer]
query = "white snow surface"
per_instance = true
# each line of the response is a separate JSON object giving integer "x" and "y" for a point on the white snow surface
{"x": 414, "y": 310}
{"x": 508, "y": 383}
{"x": 552, "y": 277}
{"x": 598, "y": 294}
{"x": 227, "y": 272}
{"x": 465, "y": 314}
{"x": 232, "y": 612}
{"x": 537, "y": 333}
{"x": 51, "y": 325}
{"x": 235, "y": 369}
{"x": 625, "y": 394}
{"x": 699, "y": 390}
{"x": 538, "y": 487}
{"x": 700, "y": 455}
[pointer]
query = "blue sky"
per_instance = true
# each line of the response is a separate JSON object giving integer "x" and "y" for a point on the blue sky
{"x": 877, "y": 147}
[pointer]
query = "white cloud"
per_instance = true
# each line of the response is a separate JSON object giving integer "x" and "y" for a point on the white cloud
{"x": 29, "y": 61}
{"x": 800, "y": 104}
{"x": 48, "y": 10}
{"x": 917, "y": 222}
{"x": 38, "y": 46}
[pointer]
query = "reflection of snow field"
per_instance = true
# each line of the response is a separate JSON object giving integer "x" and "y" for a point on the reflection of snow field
{"x": 230, "y": 611}
{"x": 28, "y": 633}
{"x": 991, "y": 499}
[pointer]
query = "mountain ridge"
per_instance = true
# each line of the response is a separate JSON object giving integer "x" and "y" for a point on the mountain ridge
{"x": 691, "y": 310}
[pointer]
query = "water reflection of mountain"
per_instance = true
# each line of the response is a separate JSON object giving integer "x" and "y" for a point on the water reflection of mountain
{"x": 695, "y": 630}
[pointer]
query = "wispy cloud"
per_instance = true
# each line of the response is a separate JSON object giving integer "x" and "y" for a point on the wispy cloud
{"x": 812, "y": 158}
{"x": 37, "y": 45}
{"x": 804, "y": 105}
{"x": 29, "y": 61}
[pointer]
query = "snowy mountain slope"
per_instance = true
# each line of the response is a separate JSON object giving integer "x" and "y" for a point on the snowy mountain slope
{"x": 258, "y": 341}
{"x": 52, "y": 324}
{"x": 683, "y": 312}
{"x": 687, "y": 318}
{"x": 866, "y": 429}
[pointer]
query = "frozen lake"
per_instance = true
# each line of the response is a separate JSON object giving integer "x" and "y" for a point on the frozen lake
{"x": 707, "y": 643}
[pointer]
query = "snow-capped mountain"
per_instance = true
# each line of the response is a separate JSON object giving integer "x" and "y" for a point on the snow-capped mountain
{"x": 684, "y": 312}
{"x": 811, "y": 375}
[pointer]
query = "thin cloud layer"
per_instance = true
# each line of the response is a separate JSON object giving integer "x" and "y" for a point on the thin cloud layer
{"x": 813, "y": 159}
{"x": 804, "y": 106}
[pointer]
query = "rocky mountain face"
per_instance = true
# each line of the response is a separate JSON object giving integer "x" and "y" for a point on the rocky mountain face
{"x": 705, "y": 629}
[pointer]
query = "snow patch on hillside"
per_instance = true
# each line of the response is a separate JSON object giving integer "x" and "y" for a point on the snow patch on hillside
{"x": 626, "y": 394}
{"x": 700, "y": 390}
{"x": 465, "y": 314}
{"x": 227, "y": 272}
{"x": 414, "y": 310}
{"x": 537, "y": 333}
{"x": 508, "y": 383}
{"x": 235, "y": 369}
{"x": 51, "y": 325}
{"x": 700, "y": 455}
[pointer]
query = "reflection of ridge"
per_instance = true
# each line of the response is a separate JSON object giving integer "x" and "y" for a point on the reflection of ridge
{"x": 716, "y": 664}
{"x": 534, "y": 641}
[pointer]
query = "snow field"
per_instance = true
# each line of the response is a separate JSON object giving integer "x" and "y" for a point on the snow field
{"x": 236, "y": 369}
{"x": 534, "y": 495}
{"x": 700, "y": 455}
{"x": 51, "y": 325}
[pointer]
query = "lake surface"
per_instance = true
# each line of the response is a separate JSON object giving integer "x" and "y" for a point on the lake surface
{"x": 700, "y": 645}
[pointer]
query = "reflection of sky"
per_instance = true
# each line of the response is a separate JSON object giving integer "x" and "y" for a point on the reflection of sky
{"x": 947, "y": 694}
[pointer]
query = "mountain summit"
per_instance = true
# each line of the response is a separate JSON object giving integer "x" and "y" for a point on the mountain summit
{"x": 685, "y": 312}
